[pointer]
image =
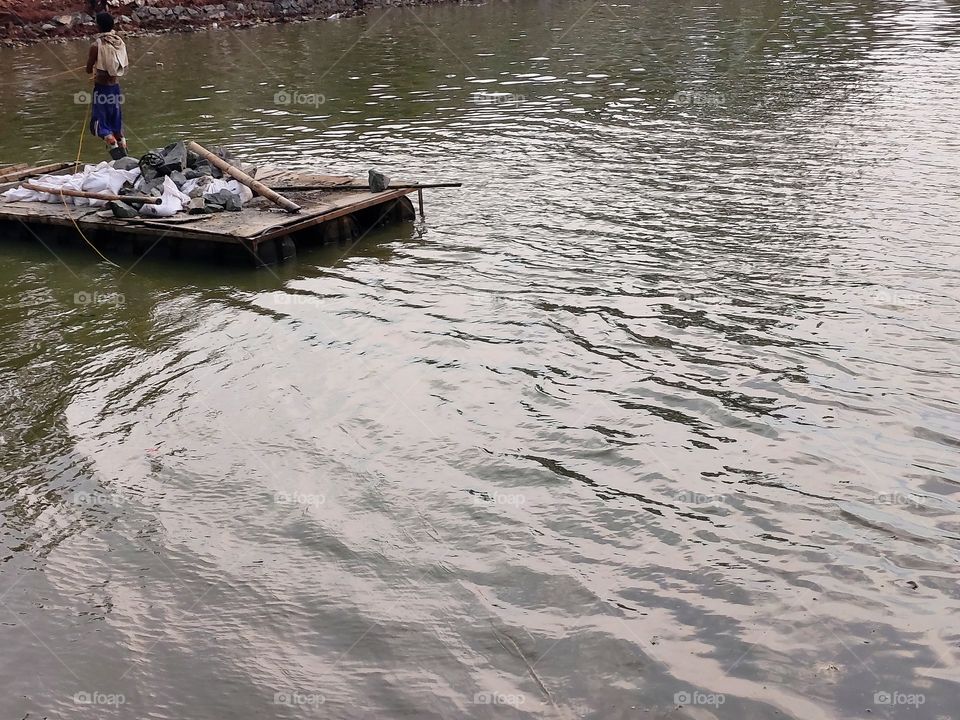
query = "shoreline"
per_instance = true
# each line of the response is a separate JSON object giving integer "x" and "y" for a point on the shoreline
{"x": 38, "y": 21}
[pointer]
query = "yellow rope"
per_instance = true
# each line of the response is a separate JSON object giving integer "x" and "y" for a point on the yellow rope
{"x": 92, "y": 246}
{"x": 83, "y": 128}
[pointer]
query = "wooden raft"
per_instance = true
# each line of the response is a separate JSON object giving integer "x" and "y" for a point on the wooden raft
{"x": 260, "y": 221}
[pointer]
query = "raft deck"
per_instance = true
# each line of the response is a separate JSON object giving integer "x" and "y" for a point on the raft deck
{"x": 268, "y": 232}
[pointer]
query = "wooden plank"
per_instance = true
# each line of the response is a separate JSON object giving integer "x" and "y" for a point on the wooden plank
{"x": 274, "y": 175}
{"x": 66, "y": 168}
{"x": 27, "y": 172}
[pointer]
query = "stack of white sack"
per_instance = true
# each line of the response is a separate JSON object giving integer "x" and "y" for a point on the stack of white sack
{"x": 102, "y": 178}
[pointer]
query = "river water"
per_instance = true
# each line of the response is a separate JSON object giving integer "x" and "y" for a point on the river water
{"x": 656, "y": 417}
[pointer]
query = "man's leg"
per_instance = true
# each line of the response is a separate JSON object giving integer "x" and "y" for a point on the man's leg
{"x": 107, "y": 120}
{"x": 118, "y": 123}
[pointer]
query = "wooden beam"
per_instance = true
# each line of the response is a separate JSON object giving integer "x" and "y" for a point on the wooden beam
{"x": 258, "y": 187}
{"x": 144, "y": 199}
{"x": 21, "y": 173}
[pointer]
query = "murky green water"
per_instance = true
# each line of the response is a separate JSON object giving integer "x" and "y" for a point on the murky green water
{"x": 660, "y": 409}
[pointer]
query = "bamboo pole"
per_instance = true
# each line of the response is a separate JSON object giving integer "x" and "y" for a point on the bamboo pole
{"x": 94, "y": 195}
{"x": 258, "y": 187}
{"x": 401, "y": 186}
{"x": 11, "y": 174}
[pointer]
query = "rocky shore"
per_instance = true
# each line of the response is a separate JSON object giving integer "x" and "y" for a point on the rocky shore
{"x": 42, "y": 20}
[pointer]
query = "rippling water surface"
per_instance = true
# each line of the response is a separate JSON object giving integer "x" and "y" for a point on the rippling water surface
{"x": 656, "y": 417}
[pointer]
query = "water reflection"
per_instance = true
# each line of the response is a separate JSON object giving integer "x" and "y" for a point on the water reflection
{"x": 657, "y": 411}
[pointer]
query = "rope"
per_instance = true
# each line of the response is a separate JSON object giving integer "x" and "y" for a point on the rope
{"x": 92, "y": 246}
{"x": 83, "y": 128}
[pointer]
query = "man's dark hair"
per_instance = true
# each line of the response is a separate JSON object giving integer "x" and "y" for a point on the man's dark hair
{"x": 105, "y": 22}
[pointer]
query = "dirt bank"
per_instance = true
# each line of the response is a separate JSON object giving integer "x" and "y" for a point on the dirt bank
{"x": 36, "y": 20}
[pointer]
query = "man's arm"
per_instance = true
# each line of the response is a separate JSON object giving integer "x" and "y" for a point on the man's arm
{"x": 91, "y": 59}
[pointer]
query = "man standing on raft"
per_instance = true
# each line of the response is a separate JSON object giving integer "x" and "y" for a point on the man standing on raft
{"x": 107, "y": 59}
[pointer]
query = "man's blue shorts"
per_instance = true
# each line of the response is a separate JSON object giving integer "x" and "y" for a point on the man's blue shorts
{"x": 107, "y": 118}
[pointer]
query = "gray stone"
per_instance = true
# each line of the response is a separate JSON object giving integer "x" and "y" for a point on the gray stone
{"x": 174, "y": 158}
{"x": 151, "y": 184}
{"x": 197, "y": 206}
{"x": 178, "y": 178}
{"x": 126, "y": 163}
{"x": 378, "y": 181}
{"x": 64, "y": 20}
{"x": 122, "y": 210}
{"x": 224, "y": 199}
{"x": 48, "y": 27}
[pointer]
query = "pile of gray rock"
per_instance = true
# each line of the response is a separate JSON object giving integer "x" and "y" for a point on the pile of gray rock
{"x": 148, "y": 12}
{"x": 192, "y": 174}
{"x": 160, "y": 16}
